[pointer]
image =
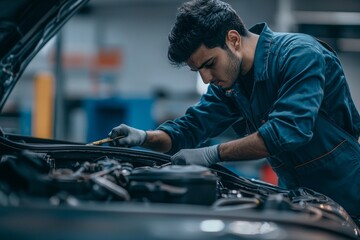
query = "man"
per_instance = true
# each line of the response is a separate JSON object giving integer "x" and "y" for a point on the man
{"x": 285, "y": 94}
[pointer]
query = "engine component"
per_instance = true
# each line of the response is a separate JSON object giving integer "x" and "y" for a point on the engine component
{"x": 174, "y": 184}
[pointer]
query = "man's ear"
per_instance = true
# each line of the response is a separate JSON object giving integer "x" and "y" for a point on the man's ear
{"x": 233, "y": 39}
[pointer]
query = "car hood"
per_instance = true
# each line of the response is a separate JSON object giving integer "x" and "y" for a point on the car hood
{"x": 26, "y": 26}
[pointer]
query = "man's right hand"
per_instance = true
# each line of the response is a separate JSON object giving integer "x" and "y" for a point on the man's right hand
{"x": 131, "y": 136}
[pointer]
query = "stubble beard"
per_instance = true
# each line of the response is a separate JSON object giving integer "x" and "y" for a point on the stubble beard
{"x": 234, "y": 69}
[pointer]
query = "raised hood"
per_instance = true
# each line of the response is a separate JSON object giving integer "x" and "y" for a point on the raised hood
{"x": 25, "y": 27}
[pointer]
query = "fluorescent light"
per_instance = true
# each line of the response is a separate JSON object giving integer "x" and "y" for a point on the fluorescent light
{"x": 327, "y": 18}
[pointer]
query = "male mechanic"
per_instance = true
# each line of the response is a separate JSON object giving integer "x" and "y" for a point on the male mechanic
{"x": 285, "y": 94}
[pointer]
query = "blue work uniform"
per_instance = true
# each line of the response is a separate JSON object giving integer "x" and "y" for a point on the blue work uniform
{"x": 301, "y": 106}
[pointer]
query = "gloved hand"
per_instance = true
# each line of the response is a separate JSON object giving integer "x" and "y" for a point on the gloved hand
{"x": 132, "y": 136}
{"x": 200, "y": 156}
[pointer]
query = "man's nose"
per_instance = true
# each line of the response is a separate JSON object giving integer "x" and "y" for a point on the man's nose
{"x": 205, "y": 76}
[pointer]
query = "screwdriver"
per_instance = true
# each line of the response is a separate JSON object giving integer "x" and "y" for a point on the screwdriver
{"x": 105, "y": 140}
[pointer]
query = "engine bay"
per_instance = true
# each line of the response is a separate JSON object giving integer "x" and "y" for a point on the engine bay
{"x": 81, "y": 176}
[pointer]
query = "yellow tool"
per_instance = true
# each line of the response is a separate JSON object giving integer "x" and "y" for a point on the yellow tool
{"x": 105, "y": 140}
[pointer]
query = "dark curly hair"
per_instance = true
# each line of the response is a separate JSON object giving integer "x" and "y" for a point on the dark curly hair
{"x": 202, "y": 21}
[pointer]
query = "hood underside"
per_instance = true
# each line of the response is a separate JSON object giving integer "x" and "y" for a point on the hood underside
{"x": 26, "y": 26}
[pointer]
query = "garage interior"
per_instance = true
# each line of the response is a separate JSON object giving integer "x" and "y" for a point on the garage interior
{"x": 109, "y": 66}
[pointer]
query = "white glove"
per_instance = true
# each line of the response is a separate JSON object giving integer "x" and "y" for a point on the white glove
{"x": 131, "y": 136}
{"x": 200, "y": 156}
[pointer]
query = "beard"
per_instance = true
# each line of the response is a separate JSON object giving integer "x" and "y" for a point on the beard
{"x": 234, "y": 69}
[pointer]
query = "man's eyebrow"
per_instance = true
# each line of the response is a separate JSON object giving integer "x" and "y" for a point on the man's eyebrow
{"x": 203, "y": 64}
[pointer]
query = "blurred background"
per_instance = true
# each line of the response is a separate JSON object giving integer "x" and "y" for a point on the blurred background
{"x": 109, "y": 65}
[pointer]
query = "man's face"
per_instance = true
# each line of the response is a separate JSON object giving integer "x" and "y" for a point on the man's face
{"x": 216, "y": 66}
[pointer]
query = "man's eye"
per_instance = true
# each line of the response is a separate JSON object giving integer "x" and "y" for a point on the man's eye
{"x": 210, "y": 65}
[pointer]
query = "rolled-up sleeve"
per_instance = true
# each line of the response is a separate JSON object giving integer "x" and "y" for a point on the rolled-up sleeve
{"x": 302, "y": 79}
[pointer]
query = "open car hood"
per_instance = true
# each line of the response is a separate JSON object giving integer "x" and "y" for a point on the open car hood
{"x": 26, "y": 26}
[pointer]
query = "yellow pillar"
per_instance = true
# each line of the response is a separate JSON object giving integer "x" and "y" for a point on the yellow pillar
{"x": 42, "y": 118}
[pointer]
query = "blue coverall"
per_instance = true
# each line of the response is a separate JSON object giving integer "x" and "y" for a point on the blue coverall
{"x": 301, "y": 106}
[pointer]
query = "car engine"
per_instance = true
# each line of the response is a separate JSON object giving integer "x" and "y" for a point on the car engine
{"x": 67, "y": 178}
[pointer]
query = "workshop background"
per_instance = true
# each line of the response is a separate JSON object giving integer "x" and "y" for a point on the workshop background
{"x": 114, "y": 67}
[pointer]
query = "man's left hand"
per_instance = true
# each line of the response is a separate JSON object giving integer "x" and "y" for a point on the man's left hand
{"x": 200, "y": 156}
